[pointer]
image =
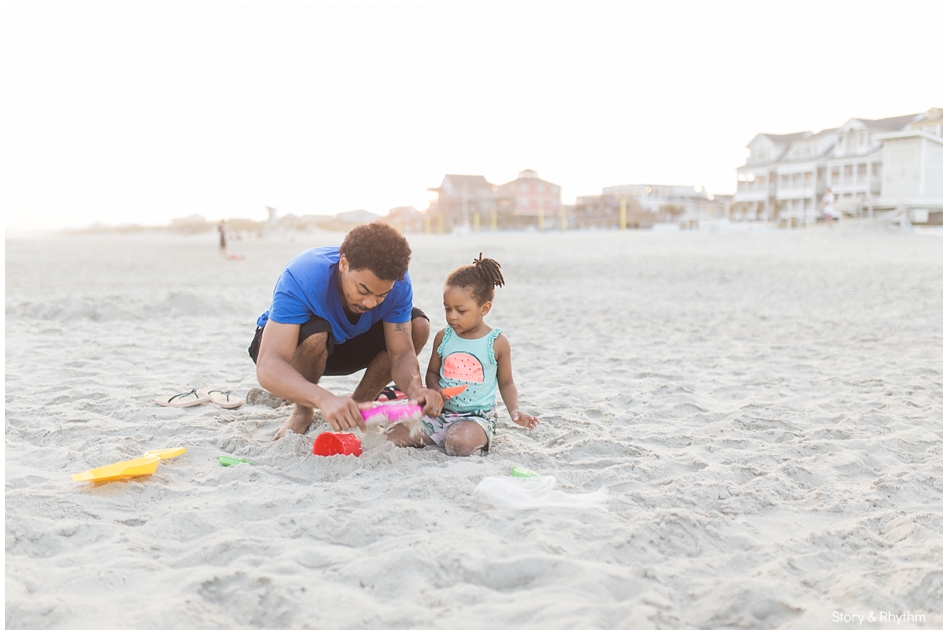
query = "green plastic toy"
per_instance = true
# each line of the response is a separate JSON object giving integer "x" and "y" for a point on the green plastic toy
{"x": 227, "y": 461}
{"x": 522, "y": 472}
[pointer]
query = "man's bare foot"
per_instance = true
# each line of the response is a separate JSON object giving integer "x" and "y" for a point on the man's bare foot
{"x": 408, "y": 434}
{"x": 299, "y": 422}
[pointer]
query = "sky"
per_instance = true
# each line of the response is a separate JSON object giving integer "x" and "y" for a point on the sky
{"x": 133, "y": 113}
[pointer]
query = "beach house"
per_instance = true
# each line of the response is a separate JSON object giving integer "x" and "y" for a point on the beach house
{"x": 801, "y": 175}
{"x": 461, "y": 201}
{"x": 785, "y": 176}
{"x": 406, "y": 219}
{"x": 528, "y": 200}
{"x": 854, "y": 167}
{"x": 647, "y": 205}
{"x": 912, "y": 179}
{"x": 356, "y": 216}
{"x": 470, "y": 201}
{"x": 755, "y": 197}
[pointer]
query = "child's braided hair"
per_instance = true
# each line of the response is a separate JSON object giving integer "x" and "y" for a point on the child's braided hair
{"x": 481, "y": 277}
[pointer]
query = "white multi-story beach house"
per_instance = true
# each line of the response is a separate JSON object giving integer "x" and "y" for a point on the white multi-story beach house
{"x": 912, "y": 170}
{"x": 756, "y": 192}
{"x": 785, "y": 176}
{"x": 801, "y": 175}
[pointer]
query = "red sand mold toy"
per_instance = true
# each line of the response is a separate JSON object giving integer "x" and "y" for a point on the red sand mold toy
{"x": 329, "y": 443}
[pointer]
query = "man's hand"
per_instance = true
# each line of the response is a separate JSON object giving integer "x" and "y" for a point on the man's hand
{"x": 342, "y": 413}
{"x": 429, "y": 399}
{"x": 523, "y": 419}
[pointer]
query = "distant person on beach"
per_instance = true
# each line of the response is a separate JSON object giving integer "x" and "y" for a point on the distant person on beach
{"x": 468, "y": 353}
{"x": 828, "y": 203}
{"x": 222, "y": 230}
{"x": 336, "y": 311}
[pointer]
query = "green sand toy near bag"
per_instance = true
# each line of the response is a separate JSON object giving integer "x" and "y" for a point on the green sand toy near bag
{"x": 228, "y": 461}
{"x": 522, "y": 472}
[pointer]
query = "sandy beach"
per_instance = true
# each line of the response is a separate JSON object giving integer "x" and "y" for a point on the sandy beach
{"x": 763, "y": 410}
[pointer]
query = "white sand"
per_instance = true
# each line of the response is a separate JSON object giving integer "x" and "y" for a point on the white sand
{"x": 765, "y": 410}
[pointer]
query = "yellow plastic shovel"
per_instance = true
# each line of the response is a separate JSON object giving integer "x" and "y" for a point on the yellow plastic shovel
{"x": 142, "y": 466}
{"x": 165, "y": 453}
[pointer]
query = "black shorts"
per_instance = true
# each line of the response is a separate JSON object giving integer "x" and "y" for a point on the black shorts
{"x": 346, "y": 358}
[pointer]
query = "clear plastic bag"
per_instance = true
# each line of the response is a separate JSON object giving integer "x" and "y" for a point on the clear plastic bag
{"x": 534, "y": 493}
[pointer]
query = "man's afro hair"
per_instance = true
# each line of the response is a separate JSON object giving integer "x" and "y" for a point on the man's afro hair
{"x": 378, "y": 247}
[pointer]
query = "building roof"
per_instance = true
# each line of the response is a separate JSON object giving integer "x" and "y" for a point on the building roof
{"x": 404, "y": 212}
{"x": 786, "y": 139}
{"x": 889, "y": 123}
{"x": 357, "y": 216}
{"x": 458, "y": 184}
{"x": 826, "y": 132}
{"x": 528, "y": 177}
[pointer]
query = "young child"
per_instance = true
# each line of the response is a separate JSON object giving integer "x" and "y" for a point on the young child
{"x": 468, "y": 353}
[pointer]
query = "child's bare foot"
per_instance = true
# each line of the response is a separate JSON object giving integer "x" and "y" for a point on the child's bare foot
{"x": 299, "y": 422}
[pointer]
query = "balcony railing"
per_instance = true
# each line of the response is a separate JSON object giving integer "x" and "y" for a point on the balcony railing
{"x": 855, "y": 182}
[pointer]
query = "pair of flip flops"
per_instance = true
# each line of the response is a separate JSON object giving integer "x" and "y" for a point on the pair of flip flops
{"x": 198, "y": 396}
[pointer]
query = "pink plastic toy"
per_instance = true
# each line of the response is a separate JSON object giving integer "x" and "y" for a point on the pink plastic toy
{"x": 391, "y": 412}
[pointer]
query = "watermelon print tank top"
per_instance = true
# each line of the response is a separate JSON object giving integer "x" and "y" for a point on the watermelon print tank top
{"x": 469, "y": 363}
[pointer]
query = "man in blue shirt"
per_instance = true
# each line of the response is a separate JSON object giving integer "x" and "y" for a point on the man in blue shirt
{"x": 336, "y": 311}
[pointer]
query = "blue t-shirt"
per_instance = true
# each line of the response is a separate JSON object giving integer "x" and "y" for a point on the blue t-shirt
{"x": 310, "y": 286}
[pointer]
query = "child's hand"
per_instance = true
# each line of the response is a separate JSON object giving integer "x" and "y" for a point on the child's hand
{"x": 523, "y": 419}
